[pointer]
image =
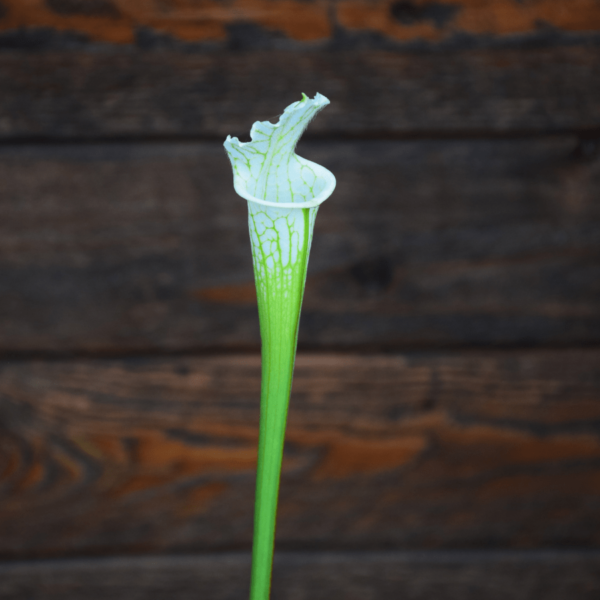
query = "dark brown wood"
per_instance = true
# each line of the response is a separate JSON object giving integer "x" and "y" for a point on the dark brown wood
{"x": 128, "y": 93}
{"x": 466, "y": 216}
{"x": 319, "y": 576}
{"x": 209, "y": 25}
{"x": 471, "y": 450}
{"x": 144, "y": 247}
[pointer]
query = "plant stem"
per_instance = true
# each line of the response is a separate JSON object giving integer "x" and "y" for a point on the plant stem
{"x": 283, "y": 192}
{"x": 279, "y": 310}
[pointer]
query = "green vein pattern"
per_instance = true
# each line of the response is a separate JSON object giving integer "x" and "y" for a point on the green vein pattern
{"x": 273, "y": 179}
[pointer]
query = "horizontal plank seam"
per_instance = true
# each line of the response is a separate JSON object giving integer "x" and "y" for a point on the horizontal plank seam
{"x": 366, "y": 349}
{"x": 425, "y": 135}
{"x": 400, "y": 556}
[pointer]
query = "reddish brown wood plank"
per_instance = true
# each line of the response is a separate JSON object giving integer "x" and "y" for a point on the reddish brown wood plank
{"x": 104, "y": 94}
{"x": 319, "y": 576}
{"x": 119, "y": 21}
{"x": 404, "y": 21}
{"x": 116, "y": 248}
{"x": 486, "y": 450}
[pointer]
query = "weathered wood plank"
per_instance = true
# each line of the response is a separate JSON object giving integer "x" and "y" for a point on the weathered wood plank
{"x": 487, "y": 450}
{"x": 136, "y": 247}
{"x": 318, "y": 576}
{"x": 376, "y": 92}
{"x": 125, "y": 21}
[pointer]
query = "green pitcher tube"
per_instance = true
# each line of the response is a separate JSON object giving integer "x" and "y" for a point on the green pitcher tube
{"x": 284, "y": 192}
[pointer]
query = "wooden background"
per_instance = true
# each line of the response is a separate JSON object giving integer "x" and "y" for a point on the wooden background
{"x": 444, "y": 433}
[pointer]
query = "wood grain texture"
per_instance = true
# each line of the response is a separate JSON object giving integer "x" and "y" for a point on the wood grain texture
{"x": 318, "y": 576}
{"x": 144, "y": 247}
{"x": 471, "y": 450}
{"x": 435, "y": 21}
{"x": 100, "y": 94}
{"x": 119, "y": 21}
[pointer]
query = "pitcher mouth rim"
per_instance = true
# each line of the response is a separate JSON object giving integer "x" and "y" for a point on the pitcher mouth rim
{"x": 325, "y": 173}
